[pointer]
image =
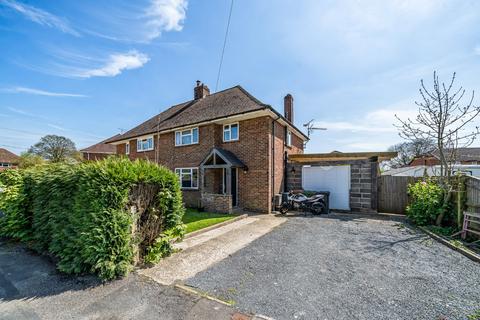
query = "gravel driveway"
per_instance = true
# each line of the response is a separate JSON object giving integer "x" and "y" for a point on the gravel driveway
{"x": 346, "y": 267}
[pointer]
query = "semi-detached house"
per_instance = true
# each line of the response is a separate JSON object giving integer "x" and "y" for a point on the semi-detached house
{"x": 228, "y": 148}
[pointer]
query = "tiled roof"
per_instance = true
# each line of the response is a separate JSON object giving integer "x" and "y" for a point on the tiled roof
{"x": 464, "y": 154}
{"x": 101, "y": 147}
{"x": 8, "y": 157}
{"x": 229, "y": 102}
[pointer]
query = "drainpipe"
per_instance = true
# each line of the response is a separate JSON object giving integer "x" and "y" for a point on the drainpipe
{"x": 273, "y": 162}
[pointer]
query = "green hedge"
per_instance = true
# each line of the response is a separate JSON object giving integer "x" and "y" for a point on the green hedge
{"x": 96, "y": 217}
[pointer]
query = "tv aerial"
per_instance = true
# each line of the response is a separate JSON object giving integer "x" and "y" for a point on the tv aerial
{"x": 311, "y": 127}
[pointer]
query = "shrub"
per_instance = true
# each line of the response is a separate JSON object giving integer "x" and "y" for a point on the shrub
{"x": 427, "y": 202}
{"x": 96, "y": 217}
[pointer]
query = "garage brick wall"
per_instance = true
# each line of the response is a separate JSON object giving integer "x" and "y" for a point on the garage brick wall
{"x": 363, "y": 181}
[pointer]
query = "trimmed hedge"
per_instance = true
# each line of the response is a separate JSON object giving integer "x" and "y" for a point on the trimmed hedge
{"x": 97, "y": 217}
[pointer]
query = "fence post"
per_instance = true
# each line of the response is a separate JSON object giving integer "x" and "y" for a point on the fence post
{"x": 460, "y": 190}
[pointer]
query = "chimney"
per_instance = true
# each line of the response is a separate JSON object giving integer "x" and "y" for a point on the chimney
{"x": 288, "y": 107}
{"x": 200, "y": 91}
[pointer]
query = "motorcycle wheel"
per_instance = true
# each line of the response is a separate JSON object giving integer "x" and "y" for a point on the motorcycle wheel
{"x": 317, "y": 208}
{"x": 284, "y": 208}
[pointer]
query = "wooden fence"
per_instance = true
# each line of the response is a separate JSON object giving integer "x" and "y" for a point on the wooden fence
{"x": 472, "y": 186}
{"x": 393, "y": 196}
{"x": 392, "y": 193}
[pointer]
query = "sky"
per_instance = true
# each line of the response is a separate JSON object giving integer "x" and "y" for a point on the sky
{"x": 90, "y": 69}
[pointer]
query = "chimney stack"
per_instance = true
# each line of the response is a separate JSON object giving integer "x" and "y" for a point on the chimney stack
{"x": 288, "y": 107}
{"x": 200, "y": 91}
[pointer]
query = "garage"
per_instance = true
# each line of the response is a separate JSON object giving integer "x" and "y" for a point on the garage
{"x": 351, "y": 178}
{"x": 335, "y": 179}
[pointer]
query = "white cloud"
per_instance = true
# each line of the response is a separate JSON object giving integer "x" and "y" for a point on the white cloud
{"x": 380, "y": 120}
{"x": 115, "y": 65}
{"x": 56, "y": 127}
{"x": 165, "y": 15}
{"x": 477, "y": 50}
{"x": 42, "y": 92}
{"x": 40, "y": 16}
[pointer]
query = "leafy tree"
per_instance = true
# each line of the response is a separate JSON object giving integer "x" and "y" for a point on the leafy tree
{"x": 408, "y": 150}
{"x": 54, "y": 148}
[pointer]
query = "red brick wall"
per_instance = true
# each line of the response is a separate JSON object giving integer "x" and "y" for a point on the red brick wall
{"x": 279, "y": 155}
{"x": 424, "y": 161}
{"x": 252, "y": 148}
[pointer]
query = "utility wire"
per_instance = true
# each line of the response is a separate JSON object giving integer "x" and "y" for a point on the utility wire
{"x": 224, "y": 45}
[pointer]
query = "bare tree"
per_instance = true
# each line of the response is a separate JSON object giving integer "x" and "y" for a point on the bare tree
{"x": 408, "y": 150}
{"x": 443, "y": 118}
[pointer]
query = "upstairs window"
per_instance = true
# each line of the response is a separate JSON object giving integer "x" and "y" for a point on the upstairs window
{"x": 145, "y": 144}
{"x": 186, "y": 137}
{"x": 289, "y": 138}
{"x": 188, "y": 177}
{"x": 230, "y": 132}
{"x": 127, "y": 148}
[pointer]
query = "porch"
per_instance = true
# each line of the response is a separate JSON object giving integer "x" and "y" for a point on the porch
{"x": 219, "y": 180}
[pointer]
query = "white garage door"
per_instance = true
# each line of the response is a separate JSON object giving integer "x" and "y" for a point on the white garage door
{"x": 335, "y": 179}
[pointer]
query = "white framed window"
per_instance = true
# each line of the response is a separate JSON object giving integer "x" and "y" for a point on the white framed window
{"x": 230, "y": 132}
{"x": 127, "y": 148}
{"x": 186, "y": 137}
{"x": 5, "y": 165}
{"x": 188, "y": 177}
{"x": 289, "y": 138}
{"x": 145, "y": 144}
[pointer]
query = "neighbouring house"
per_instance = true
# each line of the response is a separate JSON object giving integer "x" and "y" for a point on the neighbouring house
{"x": 464, "y": 156}
{"x": 433, "y": 170}
{"x": 8, "y": 159}
{"x": 467, "y": 161}
{"x": 228, "y": 148}
{"x": 99, "y": 150}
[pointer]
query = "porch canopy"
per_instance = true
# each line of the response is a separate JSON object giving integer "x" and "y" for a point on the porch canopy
{"x": 219, "y": 158}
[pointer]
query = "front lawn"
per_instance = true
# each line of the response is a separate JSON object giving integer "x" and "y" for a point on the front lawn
{"x": 196, "y": 220}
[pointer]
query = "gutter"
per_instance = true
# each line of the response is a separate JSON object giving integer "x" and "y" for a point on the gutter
{"x": 265, "y": 108}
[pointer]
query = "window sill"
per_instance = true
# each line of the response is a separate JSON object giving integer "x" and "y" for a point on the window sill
{"x": 138, "y": 151}
{"x": 189, "y": 189}
{"x": 186, "y": 145}
{"x": 228, "y": 141}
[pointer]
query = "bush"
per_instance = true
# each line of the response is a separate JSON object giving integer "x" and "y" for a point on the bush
{"x": 427, "y": 202}
{"x": 96, "y": 217}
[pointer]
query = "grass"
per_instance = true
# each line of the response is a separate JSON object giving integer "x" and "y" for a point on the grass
{"x": 196, "y": 220}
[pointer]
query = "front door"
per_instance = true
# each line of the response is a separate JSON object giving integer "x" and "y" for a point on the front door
{"x": 234, "y": 187}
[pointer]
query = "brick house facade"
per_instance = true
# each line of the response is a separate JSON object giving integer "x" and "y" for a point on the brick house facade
{"x": 236, "y": 147}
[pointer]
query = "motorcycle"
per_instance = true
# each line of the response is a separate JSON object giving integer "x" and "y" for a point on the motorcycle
{"x": 300, "y": 202}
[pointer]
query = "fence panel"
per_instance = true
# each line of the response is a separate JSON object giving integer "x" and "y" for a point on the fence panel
{"x": 472, "y": 185}
{"x": 392, "y": 193}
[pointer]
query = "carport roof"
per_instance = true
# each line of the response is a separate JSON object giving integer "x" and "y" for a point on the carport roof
{"x": 341, "y": 156}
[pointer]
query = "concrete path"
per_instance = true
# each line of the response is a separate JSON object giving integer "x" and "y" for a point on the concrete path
{"x": 204, "y": 250}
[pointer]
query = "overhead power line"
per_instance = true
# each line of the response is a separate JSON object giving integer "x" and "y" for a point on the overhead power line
{"x": 224, "y": 45}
